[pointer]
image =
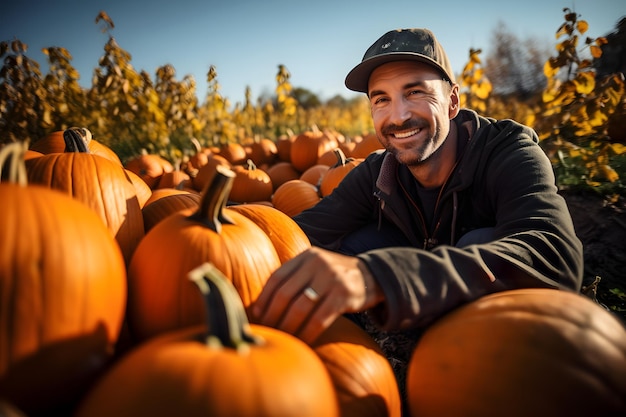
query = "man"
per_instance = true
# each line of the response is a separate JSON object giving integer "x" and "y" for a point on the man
{"x": 457, "y": 206}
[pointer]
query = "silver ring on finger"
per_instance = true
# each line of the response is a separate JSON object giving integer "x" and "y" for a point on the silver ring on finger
{"x": 311, "y": 294}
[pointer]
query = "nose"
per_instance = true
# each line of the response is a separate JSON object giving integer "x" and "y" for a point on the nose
{"x": 399, "y": 111}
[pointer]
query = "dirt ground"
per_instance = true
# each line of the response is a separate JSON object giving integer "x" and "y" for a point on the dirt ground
{"x": 601, "y": 226}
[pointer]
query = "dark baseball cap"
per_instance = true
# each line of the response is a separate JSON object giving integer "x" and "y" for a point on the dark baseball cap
{"x": 400, "y": 45}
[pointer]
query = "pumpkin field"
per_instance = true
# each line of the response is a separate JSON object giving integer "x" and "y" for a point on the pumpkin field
{"x": 139, "y": 225}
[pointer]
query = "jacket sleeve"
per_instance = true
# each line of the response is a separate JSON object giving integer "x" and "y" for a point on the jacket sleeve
{"x": 535, "y": 243}
{"x": 349, "y": 207}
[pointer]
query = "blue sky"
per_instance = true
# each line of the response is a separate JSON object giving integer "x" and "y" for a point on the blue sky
{"x": 318, "y": 41}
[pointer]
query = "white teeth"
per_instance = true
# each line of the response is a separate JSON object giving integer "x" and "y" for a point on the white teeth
{"x": 406, "y": 134}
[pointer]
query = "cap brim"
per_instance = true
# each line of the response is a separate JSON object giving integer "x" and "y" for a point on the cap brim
{"x": 358, "y": 78}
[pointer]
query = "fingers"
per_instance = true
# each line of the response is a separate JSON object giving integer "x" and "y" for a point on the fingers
{"x": 283, "y": 286}
{"x": 305, "y": 295}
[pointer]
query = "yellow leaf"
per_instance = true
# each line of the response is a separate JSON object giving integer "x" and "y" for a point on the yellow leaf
{"x": 550, "y": 70}
{"x": 618, "y": 148}
{"x": 596, "y": 51}
{"x": 609, "y": 173}
{"x": 582, "y": 26}
{"x": 483, "y": 89}
{"x": 574, "y": 152}
{"x": 585, "y": 82}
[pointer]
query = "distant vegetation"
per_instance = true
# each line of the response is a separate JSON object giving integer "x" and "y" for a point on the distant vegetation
{"x": 573, "y": 96}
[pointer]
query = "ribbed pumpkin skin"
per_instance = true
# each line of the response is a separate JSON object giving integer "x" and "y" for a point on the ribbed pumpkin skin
{"x": 287, "y": 237}
{"x": 54, "y": 143}
{"x": 177, "y": 375}
{"x": 295, "y": 196}
{"x": 308, "y": 146}
{"x": 362, "y": 375}
{"x": 251, "y": 185}
{"x": 100, "y": 184}
{"x": 531, "y": 352}
{"x": 62, "y": 297}
{"x": 165, "y": 202}
{"x": 162, "y": 298}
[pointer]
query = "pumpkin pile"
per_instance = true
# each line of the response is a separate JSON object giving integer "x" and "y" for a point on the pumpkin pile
{"x": 124, "y": 290}
{"x": 94, "y": 280}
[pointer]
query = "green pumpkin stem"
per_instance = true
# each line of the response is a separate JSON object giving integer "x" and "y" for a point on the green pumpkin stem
{"x": 214, "y": 198}
{"x": 227, "y": 322}
{"x": 77, "y": 139}
{"x": 12, "y": 165}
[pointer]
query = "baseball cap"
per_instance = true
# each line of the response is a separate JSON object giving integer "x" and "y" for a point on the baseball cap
{"x": 400, "y": 45}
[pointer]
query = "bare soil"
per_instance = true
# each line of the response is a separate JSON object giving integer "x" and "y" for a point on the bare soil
{"x": 601, "y": 226}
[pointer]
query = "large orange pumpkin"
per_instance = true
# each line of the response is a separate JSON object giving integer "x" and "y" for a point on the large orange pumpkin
{"x": 62, "y": 296}
{"x": 529, "y": 352}
{"x": 161, "y": 298}
{"x": 363, "y": 378}
{"x": 287, "y": 237}
{"x": 96, "y": 181}
{"x": 234, "y": 369}
{"x": 295, "y": 196}
{"x": 166, "y": 201}
{"x": 55, "y": 143}
{"x": 308, "y": 146}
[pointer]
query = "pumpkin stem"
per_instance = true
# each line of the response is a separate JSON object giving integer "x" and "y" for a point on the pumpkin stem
{"x": 250, "y": 166}
{"x": 77, "y": 139}
{"x": 196, "y": 144}
{"x": 12, "y": 163}
{"x": 341, "y": 157}
{"x": 226, "y": 317}
{"x": 214, "y": 198}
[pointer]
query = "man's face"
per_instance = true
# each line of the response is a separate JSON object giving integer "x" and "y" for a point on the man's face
{"x": 411, "y": 109}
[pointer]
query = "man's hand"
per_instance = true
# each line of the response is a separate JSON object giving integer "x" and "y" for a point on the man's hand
{"x": 305, "y": 295}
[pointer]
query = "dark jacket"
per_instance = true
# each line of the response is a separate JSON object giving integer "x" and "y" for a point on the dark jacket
{"x": 503, "y": 180}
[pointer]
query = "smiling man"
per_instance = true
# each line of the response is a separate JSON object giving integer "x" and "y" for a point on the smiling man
{"x": 457, "y": 206}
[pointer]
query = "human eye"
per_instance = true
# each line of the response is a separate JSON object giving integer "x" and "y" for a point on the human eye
{"x": 379, "y": 100}
{"x": 415, "y": 92}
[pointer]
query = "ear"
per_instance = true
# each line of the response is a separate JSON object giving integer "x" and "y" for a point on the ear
{"x": 455, "y": 101}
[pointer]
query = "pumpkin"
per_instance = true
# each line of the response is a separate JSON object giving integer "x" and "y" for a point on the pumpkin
{"x": 283, "y": 147}
{"x": 362, "y": 375}
{"x": 314, "y": 174}
{"x": 308, "y": 146}
{"x": 144, "y": 193}
{"x": 287, "y": 237}
{"x": 206, "y": 172}
{"x": 55, "y": 143}
{"x": 62, "y": 294}
{"x": 161, "y": 298}
{"x": 295, "y": 196}
{"x": 251, "y": 184}
{"x": 233, "y": 152}
{"x": 369, "y": 143}
{"x": 96, "y": 181}
{"x": 528, "y": 352}
{"x": 149, "y": 167}
{"x": 232, "y": 369}
{"x": 166, "y": 201}
{"x": 173, "y": 179}
{"x": 263, "y": 151}
{"x": 281, "y": 172}
{"x": 336, "y": 173}
{"x": 198, "y": 159}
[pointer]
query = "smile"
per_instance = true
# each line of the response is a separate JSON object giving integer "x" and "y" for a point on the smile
{"x": 406, "y": 134}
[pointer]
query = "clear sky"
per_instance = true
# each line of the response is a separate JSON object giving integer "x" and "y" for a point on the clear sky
{"x": 318, "y": 41}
